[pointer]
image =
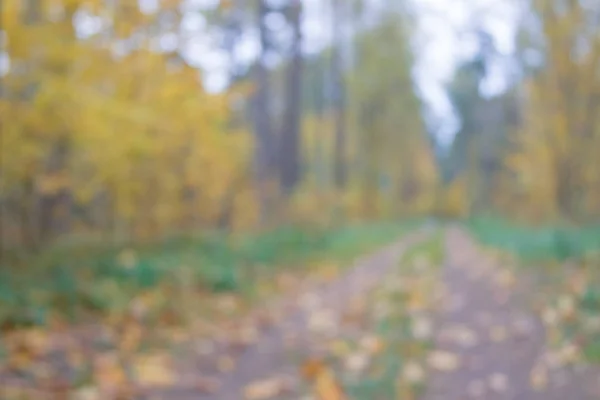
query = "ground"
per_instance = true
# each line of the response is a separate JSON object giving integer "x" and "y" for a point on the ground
{"x": 500, "y": 347}
{"x": 434, "y": 316}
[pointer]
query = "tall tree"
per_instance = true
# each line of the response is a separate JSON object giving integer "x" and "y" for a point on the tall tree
{"x": 289, "y": 138}
{"x": 264, "y": 157}
{"x": 339, "y": 94}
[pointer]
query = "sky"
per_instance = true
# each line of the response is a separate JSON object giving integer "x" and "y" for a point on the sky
{"x": 440, "y": 43}
{"x": 443, "y": 42}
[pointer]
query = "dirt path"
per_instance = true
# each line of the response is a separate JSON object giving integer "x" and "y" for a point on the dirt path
{"x": 489, "y": 349}
{"x": 268, "y": 357}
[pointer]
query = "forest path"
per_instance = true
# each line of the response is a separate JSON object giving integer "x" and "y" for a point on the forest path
{"x": 461, "y": 328}
{"x": 265, "y": 366}
{"x": 495, "y": 349}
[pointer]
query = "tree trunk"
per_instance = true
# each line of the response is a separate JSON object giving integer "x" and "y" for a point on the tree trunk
{"x": 263, "y": 153}
{"x": 289, "y": 150}
{"x": 339, "y": 100}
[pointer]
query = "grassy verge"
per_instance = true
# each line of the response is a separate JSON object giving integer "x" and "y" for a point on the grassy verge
{"x": 79, "y": 283}
{"x": 543, "y": 243}
{"x": 92, "y": 317}
{"x": 402, "y": 315}
{"x": 566, "y": 263}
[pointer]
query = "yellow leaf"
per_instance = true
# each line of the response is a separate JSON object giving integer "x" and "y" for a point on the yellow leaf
{"x": 108, "y": 371}
{"x": 413, "y": 372}
{"x": 539, "y": 378}
{"x": 372, "y": 344}
{"x": 131, "y": 338}
{"x": 357, "y": 362}
{"x": 311, "y": 368}
{"x": 443, "y": 361}
{"x": 339, "y": 348}
{"x": 87, "y": 393}
{"x": 498, "y": 333}
{"x": 153, "y": 370}
{"x": 327, "y": 388}
{"x": 225, "y": 364}
{"x": 19, "y": 360}
{"x": 266, "y": 389}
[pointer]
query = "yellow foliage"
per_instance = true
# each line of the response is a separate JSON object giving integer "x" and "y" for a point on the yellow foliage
{"x": 550, "y": 171}
{"x": 326, "y": 386}
{"x": 453, "y": 199}
{"x": 140, "y": 135}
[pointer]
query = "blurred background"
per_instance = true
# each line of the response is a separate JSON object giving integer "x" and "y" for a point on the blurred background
{"x": 128, "y": 120}
{"x": 151, "y": 144}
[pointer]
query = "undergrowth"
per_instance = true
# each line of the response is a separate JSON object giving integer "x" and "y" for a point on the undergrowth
{"x": 538, "y": 243}
{"x": 557, "y": 255}
{"x": 413, "y": 282}
{"x": 77, "y": 282}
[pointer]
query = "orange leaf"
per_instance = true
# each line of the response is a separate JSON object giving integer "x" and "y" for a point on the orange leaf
{"x": 327, "y": 388}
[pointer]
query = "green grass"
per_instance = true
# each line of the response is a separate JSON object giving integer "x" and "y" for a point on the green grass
{"x": 432, "y": 249}
{"x": 74, "y": 281}
{"x": 382, "y": 383}
{"x": 543, "y": 250}
{"x": 537, "y": 243}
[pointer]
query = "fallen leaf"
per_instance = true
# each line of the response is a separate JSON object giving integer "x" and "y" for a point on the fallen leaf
{"x": 36, "y": 341}
{"x": 552, "y": 359}
{"x": 372, "y": 344}
{"x": 266, "y": 389}
{"x": 86, "y": 393}
{"x": 243, "y": 338}
{"x": 413, "y": 372}
{"x": 422, "y": 328}
{"x": 459, "y": 334}
{"x": 443, "y": 361}
{"x": 505, "y": 278}
{"x": 206, "y": 385}
{"x": 566, "y": 306}
{"x": 550, "y": 317}
{"x": 356, "y": 362}
{"x": 322, "y": 322}
{"x": 538, "y": 378}
{"x": 340, "y": 348}
{"x": 309, "y": 301}
{"x": 326, "y": 386}
{"x": 19, "y": 360}
{"x": 127, "y": 258}
{"x": 498, "y": 382}
{"x": 416, "y": 301}
{"x": 153, "y": 370}
{"x": 498, "y": 333}
{"x": 569, "y": 353}
{"x": 108, "y": 371}
{"x": 328, "y": 272}
{"x": 131, "y": 338}
{"x": 248, "y": 335}
{"x": 225, "y": 364}
{"x": 311, "y": 368}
